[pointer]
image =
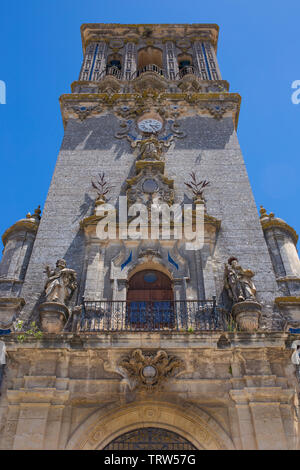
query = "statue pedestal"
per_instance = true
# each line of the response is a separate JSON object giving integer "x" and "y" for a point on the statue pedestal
{"x": 10, "y": 308}
{"x": 247, "y": 314}
{"x": 53, "y": 316}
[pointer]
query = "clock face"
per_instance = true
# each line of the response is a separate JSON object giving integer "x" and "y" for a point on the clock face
{"x": 150, "y": 125}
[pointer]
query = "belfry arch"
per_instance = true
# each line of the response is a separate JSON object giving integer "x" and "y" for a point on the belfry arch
{"x": 150, "y": 55}
{"x": 190, "y": 423}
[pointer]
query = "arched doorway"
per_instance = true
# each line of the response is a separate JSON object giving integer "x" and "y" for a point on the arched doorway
{"x": 150, "y": 439}
{"x": 150, "y": 301}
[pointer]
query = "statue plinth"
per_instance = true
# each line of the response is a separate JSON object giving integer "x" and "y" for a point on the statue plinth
{"x": 10, "y": 308}
{"x": 246, "y": 314}
{"x": 53, "y": 316}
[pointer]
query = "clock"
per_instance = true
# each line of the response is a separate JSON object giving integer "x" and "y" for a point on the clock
{"x": 150, "y": 125}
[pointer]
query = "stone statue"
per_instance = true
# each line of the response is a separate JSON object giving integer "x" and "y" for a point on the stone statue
{"x": 61, "y": 283}
{"x": 238, "y": 282}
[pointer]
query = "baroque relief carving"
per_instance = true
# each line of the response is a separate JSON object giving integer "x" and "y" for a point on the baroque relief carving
{"x": 82, "y": 112}
{"x": 149, "y": 370}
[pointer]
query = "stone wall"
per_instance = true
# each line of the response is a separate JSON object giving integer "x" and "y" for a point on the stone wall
{"x": 234, "y": 391}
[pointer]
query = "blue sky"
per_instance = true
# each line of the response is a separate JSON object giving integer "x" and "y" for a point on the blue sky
{"x": 41, "y": 55}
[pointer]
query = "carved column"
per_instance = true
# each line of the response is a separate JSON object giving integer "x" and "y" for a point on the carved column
{"x": 171, "y": 60}
{"x": 100, "y": 58}
{"x": 130, "y": 61}
{"x": 212, "y": 61}
{"x": 206, "y": 61}
{"x": 199, "y": 60}
{"x": 88, "y": 61}
{"x": 260, "y": 418}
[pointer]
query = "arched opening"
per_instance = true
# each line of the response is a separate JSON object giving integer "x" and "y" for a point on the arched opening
{"x": 185, "y": 64}
{"x": 114, "y": 65}
{"x": 150, "y": 300}
{"x": 150, "y": 439}
{"x": 194, "y": 424}
{"x": 150, "y": 59}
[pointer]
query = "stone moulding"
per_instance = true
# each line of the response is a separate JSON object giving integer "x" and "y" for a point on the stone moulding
{"x": 94, "y": 32}
{"x": 29, "y": 225}
{"x": 105, "y": 424}
{"x": 275, "y": 223}
{"x": 287, "y": 300}
{"x": 204, "y": 102}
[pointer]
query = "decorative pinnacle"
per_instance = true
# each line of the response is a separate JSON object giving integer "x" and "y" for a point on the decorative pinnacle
{"x": 263, "y": 213}
{"x": 197, "y": 187}
{"x": 36, "y": 214}
{"x": 102, "y": 187}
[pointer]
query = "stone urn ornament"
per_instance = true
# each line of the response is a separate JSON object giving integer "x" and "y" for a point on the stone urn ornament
{"x": 241, "y": 289}
{"x": 59, "y": 288}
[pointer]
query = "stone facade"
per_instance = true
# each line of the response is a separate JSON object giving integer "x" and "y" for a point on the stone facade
{"x": 219, "y": 384}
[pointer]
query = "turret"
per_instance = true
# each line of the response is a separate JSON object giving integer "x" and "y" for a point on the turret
{"x": 282, "y": 240}
{"x": 18, "y": 242}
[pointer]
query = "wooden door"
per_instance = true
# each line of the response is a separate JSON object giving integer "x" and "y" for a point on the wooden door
{"x": 150, "y": 286}
{"x": 150, "y": 301}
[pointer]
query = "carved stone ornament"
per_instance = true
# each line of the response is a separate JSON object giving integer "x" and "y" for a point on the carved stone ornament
{"x": 217, "y": 110}
{"x": 150, "y": 81}
{"x": 149, "y": 370}
{"x": 61, "y": 283}
{"x": 238, "y": 281}
{"x": 150, "y": 186}
{"x": 83, "y": 112}
{"x": 241, "y": 289}
{"x": 189, "y": 84}
{"x": 59, "y": 288}
{"x": 109, "y": 84}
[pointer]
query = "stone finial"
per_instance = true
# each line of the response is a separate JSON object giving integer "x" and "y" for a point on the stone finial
{"x": 264, "y": 214}
{"x": 102, "y": 187}
{"x": 197, "y": 188}
{"x": 37, "y": 212}
{"x": 36, "y": 215}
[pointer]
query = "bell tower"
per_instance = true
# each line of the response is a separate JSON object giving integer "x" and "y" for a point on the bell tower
{"x": 126, "y": 302}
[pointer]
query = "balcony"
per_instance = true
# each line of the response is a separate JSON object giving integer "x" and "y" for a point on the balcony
{"x": 187, "y": 70}
{"x": 189, "y": 316}
{"x": 148, "y": 68}
{"x": 114, "y": 71}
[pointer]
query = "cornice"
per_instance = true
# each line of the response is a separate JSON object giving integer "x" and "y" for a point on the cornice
{"x": 28, "y": 225}
{"x": 276, "y": 223}
{"x": 203, "y": 101}
{"x": 94, "y": 32}
{"x": 287, "y": 300}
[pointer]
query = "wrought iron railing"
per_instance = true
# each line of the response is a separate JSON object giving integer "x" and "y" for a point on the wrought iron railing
{"x": 187, "y": 315}
{"x": 148, "y": 68}
{"x": 187, "y": 70}
{"x": 115, "y": 71}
